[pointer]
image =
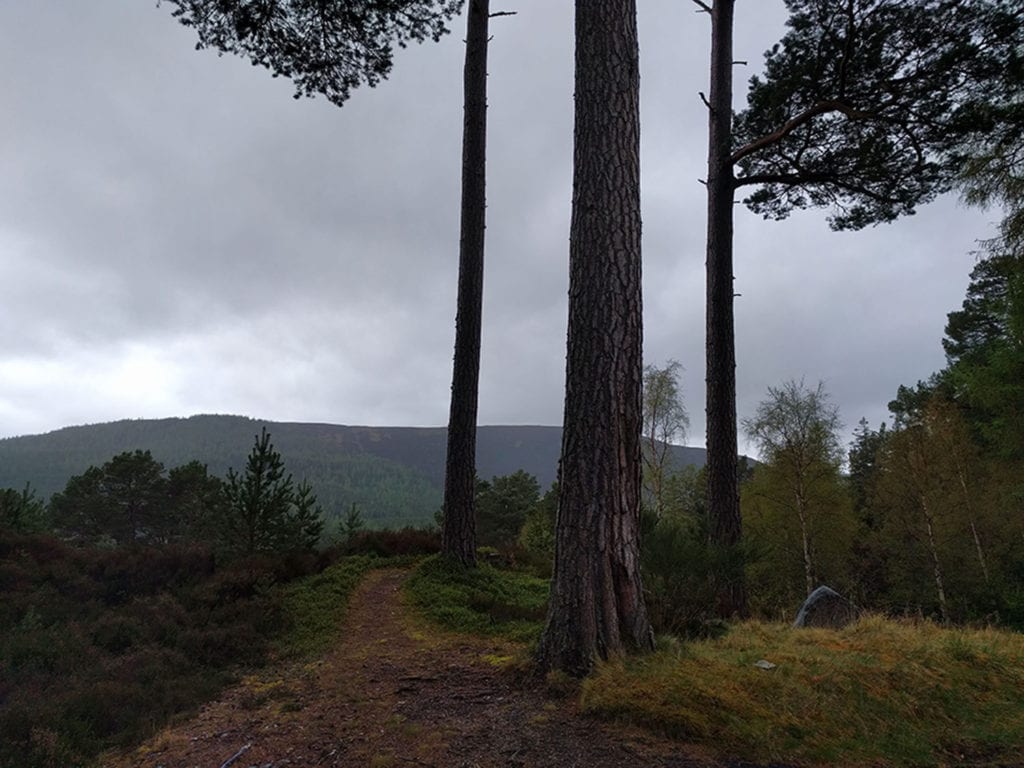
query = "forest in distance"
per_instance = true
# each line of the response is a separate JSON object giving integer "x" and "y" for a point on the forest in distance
{"x": 394, "y": 474}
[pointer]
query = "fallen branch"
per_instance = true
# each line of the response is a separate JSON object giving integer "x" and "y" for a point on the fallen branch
{"x": 237, "y": 755}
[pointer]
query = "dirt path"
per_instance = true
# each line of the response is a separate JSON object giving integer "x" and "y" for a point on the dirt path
{"x": 391, "y": 694}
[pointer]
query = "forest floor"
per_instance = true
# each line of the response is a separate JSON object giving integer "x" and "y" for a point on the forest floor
{"x": 395, "y": 691}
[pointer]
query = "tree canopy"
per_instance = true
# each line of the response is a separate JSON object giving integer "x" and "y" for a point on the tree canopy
{"x": 871, "y": 107}
{"x": 326, "y": 47}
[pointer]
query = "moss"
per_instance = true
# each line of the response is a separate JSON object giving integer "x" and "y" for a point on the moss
{"x": 878, "y": 692}
{"x": 482, "y": 600}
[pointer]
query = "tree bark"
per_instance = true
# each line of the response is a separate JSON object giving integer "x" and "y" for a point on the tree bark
{"x": 723, "y": 498}
{"x": 805, "y": 539}
{"x": 597, "y": 608}
{"x": 933, "y": 550}
{"x": 458, "y": 538}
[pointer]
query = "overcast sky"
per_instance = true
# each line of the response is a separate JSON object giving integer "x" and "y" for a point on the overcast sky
{"x": 178, "y": 235}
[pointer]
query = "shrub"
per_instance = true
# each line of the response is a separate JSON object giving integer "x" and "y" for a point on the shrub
{"x": 99, "y": 646}
{"x": 482, "y": 600}
{"x": 389, "y": 543}
{"x": 677, "y": 566}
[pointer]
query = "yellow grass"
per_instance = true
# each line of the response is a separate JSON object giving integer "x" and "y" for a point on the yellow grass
{"x": 880, "y": 692}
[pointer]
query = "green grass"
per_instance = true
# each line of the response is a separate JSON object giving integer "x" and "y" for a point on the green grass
{"x": 877, "y": 693}
{"x": 483, "y": 600}
{"x": 315, "y": 607}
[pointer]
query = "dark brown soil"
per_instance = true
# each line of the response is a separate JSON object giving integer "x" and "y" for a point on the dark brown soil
{"x": 395, "y": 692}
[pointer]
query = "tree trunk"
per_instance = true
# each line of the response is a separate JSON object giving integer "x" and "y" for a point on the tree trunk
{"x": 961, "y": 472}
{"x": 805, "y": 538}
{"x": 459, "y": 528}
{"x": 723, "y": 498}
{"x": 656, "y": 471}
{"x": 936, "y": 568}
{"x": 597, "y": 608}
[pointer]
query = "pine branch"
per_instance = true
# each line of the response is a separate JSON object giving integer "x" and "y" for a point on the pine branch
{"x": 821, "y": 108}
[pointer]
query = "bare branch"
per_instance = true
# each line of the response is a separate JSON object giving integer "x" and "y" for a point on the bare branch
{"x": 821, "y": 108}
{"x": 501, "y": 13}
{"x": 704, "y": 99}
{"x": 704, "y": 7}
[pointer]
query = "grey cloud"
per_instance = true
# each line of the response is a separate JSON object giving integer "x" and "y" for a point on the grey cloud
{"x": 178, "y": 235}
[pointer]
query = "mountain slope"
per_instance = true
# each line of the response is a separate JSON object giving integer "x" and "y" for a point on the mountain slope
{"x": 394, "y": 474}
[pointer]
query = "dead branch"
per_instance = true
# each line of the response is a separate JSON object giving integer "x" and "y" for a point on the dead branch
{"x": 237, "y": 755}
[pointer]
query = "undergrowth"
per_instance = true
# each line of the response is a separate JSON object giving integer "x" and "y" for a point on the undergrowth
{"x": 880, "y": 692}
{"x": 482, "y": 600}
{"x": 99, "y": 648}
{"x": 314, "y": 607}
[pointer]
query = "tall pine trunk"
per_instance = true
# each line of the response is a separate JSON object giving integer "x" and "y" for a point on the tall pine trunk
{"x": 459, "y": 528}
{"x": 597, "y": 608}
{"x": 723, "y": 498}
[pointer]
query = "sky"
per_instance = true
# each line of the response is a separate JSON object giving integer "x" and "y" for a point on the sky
{"x": 178, "y": 235}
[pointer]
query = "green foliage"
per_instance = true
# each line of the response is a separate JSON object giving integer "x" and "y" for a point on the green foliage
{"x": 97, "y": 647}
{"x": 482, "y": 600}
{"x": 876, "y": 693}
{"x": 502, "y": 506}
{"x": 796, "y": 506}
{"x": 195, "y": 498}
{"x": 22, "y": 511}
{"x": 679, "y": 568}
{"x": 664, "y": 422}
{"x": 984, "y": 347}
{"x": 325, "y": 48}
{"x": 124, "y": 500}
{"x": 537, "y": 536}
{"x": 863, "y": 459}
{"x": 944, "y": 529}
{"x": 314, "y": 607}
{"x": 686, "y": 496}
{"x": 394, "y": 474}
{"x": 352, "y": 524}
{"x": 263, "y": 510}
{"x": 778, "y": 529}
{"x": 870, "y": 107}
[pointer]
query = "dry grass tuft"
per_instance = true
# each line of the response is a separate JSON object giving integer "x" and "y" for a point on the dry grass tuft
{"x": 879, "y": 692}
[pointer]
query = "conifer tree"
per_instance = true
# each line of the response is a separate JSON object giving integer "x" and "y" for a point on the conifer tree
{"x": 867, "y": 107}
{"x": 597, "y": 607}
{"x": 263, "y": 510}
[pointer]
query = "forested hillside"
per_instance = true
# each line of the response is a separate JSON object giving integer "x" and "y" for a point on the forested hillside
{"x": 394, "y": 474}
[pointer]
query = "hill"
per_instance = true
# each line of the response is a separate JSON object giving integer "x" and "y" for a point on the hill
{"x": 394, "y": 474}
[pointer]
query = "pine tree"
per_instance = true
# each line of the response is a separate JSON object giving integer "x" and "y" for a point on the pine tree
{"x": 867, "y": 107}
{"x": 597, "y": 605}
{"x": 264, "y": 511}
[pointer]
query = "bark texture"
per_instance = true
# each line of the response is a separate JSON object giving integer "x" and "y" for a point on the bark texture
{"x": 597, "y": 608}
{"x": 723, "y": 498}
{"x": 458, "y": 537}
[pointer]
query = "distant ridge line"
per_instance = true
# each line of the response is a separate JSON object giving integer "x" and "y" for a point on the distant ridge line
{"x": 394, "y": 474}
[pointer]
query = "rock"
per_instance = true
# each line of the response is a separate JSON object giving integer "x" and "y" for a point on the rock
{"x": 825, "y": 607}
{"x": 764, "y": 664}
